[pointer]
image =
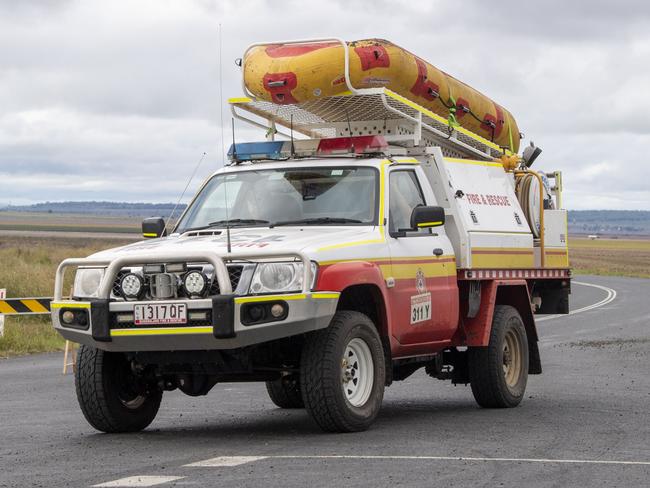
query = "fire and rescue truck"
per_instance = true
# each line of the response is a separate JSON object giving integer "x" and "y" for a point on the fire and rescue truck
{"x": 366, "y": 238}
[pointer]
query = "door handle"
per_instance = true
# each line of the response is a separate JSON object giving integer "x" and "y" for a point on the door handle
{"x": 437, "y": 251}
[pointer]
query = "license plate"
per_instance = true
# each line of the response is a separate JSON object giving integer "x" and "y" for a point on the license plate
{"x": 420, "y": 308}
{"x": 160, "y": 313}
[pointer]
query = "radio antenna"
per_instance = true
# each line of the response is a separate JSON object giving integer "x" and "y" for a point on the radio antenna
{"x": 234, "y": 146}
{"x": 169, "y": 219}
{"x": 223, "y": 148}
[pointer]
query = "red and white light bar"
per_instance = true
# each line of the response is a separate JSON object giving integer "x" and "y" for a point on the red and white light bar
{"x": 278, "y": 150}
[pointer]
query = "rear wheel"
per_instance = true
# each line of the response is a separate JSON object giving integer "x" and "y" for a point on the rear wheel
{"x": 342, "y": 373}
{"x": 111, "y": 397}
{"x": 499, "y": 372}
{"x": 285, "y": 392}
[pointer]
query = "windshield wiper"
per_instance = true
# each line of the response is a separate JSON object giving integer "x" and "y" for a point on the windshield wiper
{"x": 231, "y": 222}
{"x": 317, "y": 221}
{"x": 237, "y": 221}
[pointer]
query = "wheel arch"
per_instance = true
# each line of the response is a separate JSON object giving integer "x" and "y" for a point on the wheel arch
{"x": 363, "y": 290}
{"x": 504, "y": 292}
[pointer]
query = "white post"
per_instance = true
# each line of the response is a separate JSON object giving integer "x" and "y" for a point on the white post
{"x": 3, "y": 295}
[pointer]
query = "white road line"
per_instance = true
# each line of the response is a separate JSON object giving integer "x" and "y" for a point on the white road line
{"x": 139, "y": 481}
{"x": 477, "y": 459}
{"x": 224, "y": 461}
{"x": 426, "y": 458}
{"x": 611, "y": 296}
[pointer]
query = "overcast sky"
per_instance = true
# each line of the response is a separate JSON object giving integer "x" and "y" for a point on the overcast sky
{"x": 118, "y": 100}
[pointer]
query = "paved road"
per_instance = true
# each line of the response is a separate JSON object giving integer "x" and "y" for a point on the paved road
{"x": 585, "y": 422}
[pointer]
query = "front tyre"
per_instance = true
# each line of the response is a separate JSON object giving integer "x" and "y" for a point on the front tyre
{"x": 285, "y": 392}
{"x": 342, "y": 373}
{"x": 499, "y": 372}
{"x": 111, "y": 397}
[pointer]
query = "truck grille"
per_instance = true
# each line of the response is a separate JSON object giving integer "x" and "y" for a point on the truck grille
{"x": 235, "y": 271}
{"x": 116, "y": 284}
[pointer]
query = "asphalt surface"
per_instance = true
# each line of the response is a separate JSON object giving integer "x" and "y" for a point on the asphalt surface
{"x": 584, "y": 422}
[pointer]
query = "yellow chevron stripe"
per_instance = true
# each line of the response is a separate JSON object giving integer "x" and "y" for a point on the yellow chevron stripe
{"x": 6, "y": 308}
{"x": 34, "y": 306}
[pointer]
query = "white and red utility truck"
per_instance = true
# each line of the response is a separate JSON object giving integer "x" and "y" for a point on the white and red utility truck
{"x": 328, "y": 267}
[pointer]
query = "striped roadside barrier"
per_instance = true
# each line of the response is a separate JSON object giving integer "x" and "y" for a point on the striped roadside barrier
{"x": 33, "y": 306}
{"x": 24, "y": 306}
{"x": 3, "y": 294}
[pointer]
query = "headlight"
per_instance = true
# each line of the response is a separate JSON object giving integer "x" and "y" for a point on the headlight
{"x": 276, "y": 277}
{"x": 87, "y": 281}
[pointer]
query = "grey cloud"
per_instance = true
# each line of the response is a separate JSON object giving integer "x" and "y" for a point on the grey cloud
{"x": 119, "y": 99}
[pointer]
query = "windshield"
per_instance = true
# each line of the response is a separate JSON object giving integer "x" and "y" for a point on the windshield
{"x": 317, "y": 196}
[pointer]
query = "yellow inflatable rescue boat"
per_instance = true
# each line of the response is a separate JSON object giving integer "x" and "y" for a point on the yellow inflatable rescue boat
{"x": 295, "y": 73}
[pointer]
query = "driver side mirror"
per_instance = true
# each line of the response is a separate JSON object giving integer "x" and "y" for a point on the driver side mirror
{"x": 426, "y": 217}
{"x": 153, "y": 227}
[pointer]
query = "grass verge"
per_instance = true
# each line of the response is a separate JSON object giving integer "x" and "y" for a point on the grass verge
{"x": 610, "y": 257}
{"x": 27, "y": 269}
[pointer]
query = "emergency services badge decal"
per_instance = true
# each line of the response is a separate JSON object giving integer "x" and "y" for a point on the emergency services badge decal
{"x": 420, "y": 281}
{"x": 420, "y": 303}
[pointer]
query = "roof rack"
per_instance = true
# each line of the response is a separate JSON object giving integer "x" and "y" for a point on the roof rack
{"x": 370, "y": 111}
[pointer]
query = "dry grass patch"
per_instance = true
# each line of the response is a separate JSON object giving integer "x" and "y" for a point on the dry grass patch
{"x": 613, "y": 257}
{"x": 27, "y": 269}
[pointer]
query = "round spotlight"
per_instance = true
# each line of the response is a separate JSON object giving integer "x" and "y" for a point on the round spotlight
{"x": 131, "y": 285}
{"x": 67, "y": 317}
{"x": 277, "y": 310}
{"x": 195, "y": 283}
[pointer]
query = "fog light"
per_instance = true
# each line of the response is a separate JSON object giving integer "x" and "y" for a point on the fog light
{"x": 67, "y": 317}
{"x": 131, "y": 285}
{"x": 256, "y": 312}
{"x": 277, "y": 310}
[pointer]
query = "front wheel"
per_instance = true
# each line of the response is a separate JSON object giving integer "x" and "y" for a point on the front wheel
{"x": 342, "y": 373}
{"x": 499, "y": 372}
{"x": 285, "y": 392}
{"x": 111, "y": 397}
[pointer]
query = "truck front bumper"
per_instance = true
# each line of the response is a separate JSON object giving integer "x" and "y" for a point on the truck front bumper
{"x": 220, "y": 322}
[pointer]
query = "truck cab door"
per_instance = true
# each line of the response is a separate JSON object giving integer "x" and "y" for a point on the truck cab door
{"x": 423, "y": 287}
